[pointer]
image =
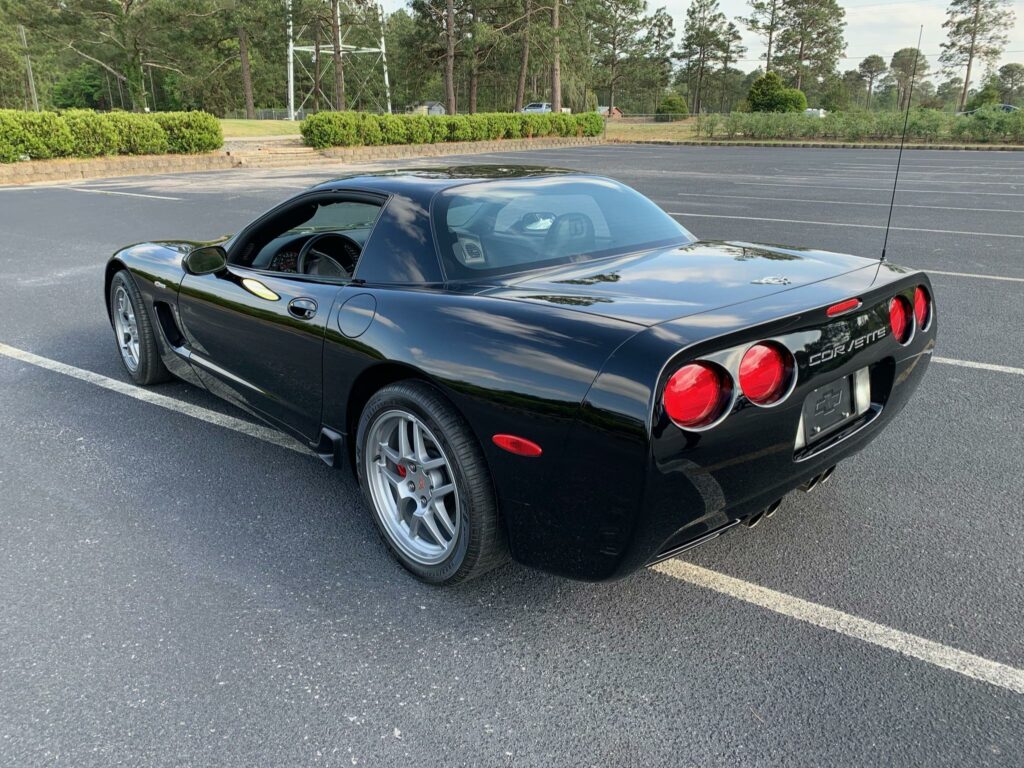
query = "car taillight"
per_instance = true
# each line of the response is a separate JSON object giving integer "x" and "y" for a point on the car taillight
{"x": 899, "y": 319}
{"x": 696, "y": 394}
{"x": 922, "y": 307}
{"x": 765, "y": 373}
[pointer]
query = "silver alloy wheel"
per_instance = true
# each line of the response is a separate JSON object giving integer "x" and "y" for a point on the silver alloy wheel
{"x": 126, "y": 328}
{"x": 412, "y": 486}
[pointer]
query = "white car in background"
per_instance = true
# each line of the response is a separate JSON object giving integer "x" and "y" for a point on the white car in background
{"x": 536, "y": 107}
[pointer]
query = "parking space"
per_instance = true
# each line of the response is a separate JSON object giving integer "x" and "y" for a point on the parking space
{"x": 175, "y": 591}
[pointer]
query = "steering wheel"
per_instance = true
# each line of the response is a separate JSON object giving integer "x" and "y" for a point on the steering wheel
{"x": 349, "y": 247}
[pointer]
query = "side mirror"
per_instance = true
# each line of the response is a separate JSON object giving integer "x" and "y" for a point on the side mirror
{"x": 208, "y": 260}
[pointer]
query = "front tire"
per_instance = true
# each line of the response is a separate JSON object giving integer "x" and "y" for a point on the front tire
{"x": 424, "y": 476}
{"x": 133, "y": 332}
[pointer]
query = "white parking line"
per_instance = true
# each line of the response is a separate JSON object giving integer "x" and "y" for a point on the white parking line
{"x": 979, "y": 366}
{"x": 841, "y": 202}
{"x": 845, "y": 224}
{"x": 901, "y": 190}
{"x": 936, "y": 654}
{"x": 127, "y": 194}
{"x": 967, "y": 664}
{"x": 148, "y": 396}
{"x": 972, "y": 274}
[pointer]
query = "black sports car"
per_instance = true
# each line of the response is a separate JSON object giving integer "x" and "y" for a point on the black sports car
{"x": 532, "y": 363}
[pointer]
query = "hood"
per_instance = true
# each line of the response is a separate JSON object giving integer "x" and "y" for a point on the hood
{"x": 655, "y": 286}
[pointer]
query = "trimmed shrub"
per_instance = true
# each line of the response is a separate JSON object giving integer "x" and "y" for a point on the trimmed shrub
{"x": 137, "y": 134}
{"x": 769, "y": 94}
{"x": 346, "y": 129}
{"x": 591, "y": 123}
{"x": 189, "y": 133}
{"x": 330, "y": 129}
{"x": 439, "y": 130}
{"x": 394, "y": 130}
{"x": 38, "y": 135}
{"x": 790, "y": 100}
{"x": 672, "y": 107}
{"x": 92, "y": 134}
{"x": 459, "y": 128}
{"x": 537, "y": 125}
{"x": 369, "y": 129}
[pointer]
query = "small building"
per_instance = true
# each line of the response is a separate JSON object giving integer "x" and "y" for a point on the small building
{"x": 615, "y": 114}
{"x": 428, "y": 108}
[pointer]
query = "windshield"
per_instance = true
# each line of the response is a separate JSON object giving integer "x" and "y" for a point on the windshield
{"x": 502, "y": 227}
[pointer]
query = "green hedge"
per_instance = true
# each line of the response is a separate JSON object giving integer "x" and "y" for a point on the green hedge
{"x": 83, "y": 133}
{"x": 926, "y": 125}
{"x": 350, "y": 129}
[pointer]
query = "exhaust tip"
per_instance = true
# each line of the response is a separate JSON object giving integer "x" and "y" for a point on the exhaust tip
{"x": 811, "y": 484}
{"x": 754, "y": 519}
{"x": 827, "y": 474}
{"x": 773, "y": 508}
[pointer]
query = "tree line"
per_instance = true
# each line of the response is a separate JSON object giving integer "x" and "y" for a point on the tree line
{"x": 229, "y": 56}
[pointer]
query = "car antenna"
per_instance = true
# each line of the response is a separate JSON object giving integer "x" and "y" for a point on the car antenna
{"x": 903, "y": 139}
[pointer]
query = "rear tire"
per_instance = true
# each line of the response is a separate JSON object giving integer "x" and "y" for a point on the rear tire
{"x": 134, "y": 333}
{"x": 430, "y": 492}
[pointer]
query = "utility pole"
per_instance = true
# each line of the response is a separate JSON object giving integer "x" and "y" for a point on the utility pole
{"x": 28, "y": 69}
{"x": 291, "y": 63}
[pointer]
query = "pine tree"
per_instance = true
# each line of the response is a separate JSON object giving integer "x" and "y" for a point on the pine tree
{"x": 871, "y": 69}
{"x": 704, "y": 40}
{"x": 810, "y": 41}
{"x": 976, "y": 29}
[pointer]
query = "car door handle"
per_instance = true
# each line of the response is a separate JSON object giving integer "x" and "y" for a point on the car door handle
{"x": 304, "y": 309}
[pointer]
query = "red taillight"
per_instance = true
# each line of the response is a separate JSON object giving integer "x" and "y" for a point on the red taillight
{"x": 696, "y": 394}
{"x": 922, "y": 307}
{"x": 899, "y": 319}
{"x": 520, "y": 446}
{"x": 842, "y": 307}
{"x": 765, "y": 373}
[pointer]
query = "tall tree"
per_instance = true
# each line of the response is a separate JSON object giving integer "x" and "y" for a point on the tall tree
{"x": 449, "y": 56}
{"x": 704, "y": 40}
{"x": 975, "y": 29}
{"x": 871, "y": 69}
{"x": 810, "y": 41}
{"x": 1011, "y": 82}
{"x": 617, "y": 25}
{"x": 902, "y": 68}
{"x": 243, "y": 55}
{"x": 337, "y": 56}
{"x": 556, "y": 57}
{"x": 765, "y": 20}
{"x": 524, "y": 56}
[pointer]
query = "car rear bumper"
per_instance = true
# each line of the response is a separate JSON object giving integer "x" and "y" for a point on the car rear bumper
{"x": 726, "y": 495}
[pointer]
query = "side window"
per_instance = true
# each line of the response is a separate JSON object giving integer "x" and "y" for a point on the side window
{"x": 276, "y": 244}
{"x": 401, "y": 248}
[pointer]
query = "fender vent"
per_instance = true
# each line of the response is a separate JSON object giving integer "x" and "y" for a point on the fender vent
{"x": 168, "y": 324}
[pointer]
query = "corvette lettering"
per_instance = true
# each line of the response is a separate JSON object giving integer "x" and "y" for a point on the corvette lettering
{"x": 846, "y": 347}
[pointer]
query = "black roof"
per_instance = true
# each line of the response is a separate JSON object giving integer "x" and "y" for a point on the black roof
{"x": 421, "y": 183}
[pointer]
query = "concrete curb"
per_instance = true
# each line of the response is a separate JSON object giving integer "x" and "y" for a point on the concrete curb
{"x": 819, "y": 145}
{"x": 40, "y": 171}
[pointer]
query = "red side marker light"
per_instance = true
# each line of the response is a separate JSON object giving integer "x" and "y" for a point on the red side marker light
{"x": 520, "y": 446}
{"x": 842, "y": 307}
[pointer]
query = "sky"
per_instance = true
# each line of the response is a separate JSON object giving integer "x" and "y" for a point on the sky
{"x": 872, "y": 26}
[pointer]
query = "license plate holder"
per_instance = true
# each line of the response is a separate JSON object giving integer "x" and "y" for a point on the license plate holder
{"x": 827, "y": 408}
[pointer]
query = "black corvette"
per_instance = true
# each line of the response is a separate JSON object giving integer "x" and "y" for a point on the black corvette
{"x": 532, "y": 363}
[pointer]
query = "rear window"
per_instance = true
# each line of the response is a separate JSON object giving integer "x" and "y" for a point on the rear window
{"x": 503, "y": 227}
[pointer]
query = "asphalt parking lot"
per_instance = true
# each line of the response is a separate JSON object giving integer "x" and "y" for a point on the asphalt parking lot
{"x": 175, "y": 591}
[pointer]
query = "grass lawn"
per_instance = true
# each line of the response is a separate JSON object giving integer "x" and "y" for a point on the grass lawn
{"x": 681, "y": 130}
{"x": 235, "y": 129}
